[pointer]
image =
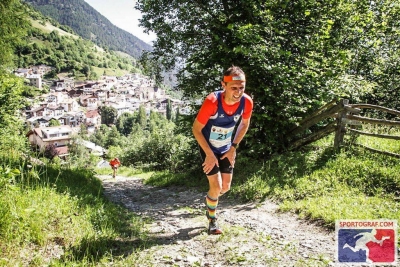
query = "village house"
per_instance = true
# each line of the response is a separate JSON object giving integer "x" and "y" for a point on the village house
{"x": 73, "y": 119}
{"x": 122, "y": 108}
{"x": 151, "y": 93}
{"x": 175, "y": 103}
{"x": 69, "y": 105}
{"x": 21, "y": 72}
{"x": 56, "y": 98}
{"x": 74, "y": 93}
{"x": 89, "y": 101}
{"x": 102, "y": 95}
{"x": 64, "y": 84}
{"x": 59, "y": 136}
{"x": 31, "y": 112}
{"x": 88, "y": 87}
{"x": 41, "y": 69}
{"x": 92, "y": 147}
{"x": 40, "y": 121}
{"x": 93, "y": 118}
{"x": 35, "y": 80}
{"x": 54, "y": 111}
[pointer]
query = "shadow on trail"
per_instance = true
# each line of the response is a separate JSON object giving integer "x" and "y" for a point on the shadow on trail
{"x": 166, "y": 209}
{"x": 174, "y": 213}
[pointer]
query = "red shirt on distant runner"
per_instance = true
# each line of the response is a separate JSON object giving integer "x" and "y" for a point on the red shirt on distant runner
{"x": 115, "y": 163}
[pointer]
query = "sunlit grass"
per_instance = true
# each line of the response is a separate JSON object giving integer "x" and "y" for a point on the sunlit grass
{"x": 63, "y": 210}
{"x": 390, "y": 145}
{"x": 122, "y": 171}
{"x": 322, "y": 185}
{"x": 63, "y": 217}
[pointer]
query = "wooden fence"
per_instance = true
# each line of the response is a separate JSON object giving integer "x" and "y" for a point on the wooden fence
{"x": 341, "y": 117}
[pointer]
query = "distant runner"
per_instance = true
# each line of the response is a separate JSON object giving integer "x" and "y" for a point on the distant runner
{"x": 115, "y": 163}
{"x": 213, "y": 129}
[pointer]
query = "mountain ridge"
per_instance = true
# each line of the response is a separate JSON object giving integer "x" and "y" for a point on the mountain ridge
{"x": 91, "y": 25}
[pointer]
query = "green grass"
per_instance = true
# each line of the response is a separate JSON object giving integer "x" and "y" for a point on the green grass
{"x": 123, "y": 171}
{"x": 110, "y": 72}
{"x": 64, "y": 210}
{"x": 316, "y": 182}
{"x": 48, "y": 209}
{"x": 320, "y": 185}
{"x": 49, "y": 28}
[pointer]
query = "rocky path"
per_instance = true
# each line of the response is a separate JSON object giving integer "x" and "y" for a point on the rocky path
{"x": 255, "y": 234}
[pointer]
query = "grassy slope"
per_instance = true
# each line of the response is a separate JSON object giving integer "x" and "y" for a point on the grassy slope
{"x": 318, "y": 183}
{"x": 322, "y": 185}
{"x": 47, "y": 28}
{"x": 65, "y": 208}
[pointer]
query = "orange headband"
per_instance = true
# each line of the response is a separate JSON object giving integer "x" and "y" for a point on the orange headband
{"x": 239, "y": 77}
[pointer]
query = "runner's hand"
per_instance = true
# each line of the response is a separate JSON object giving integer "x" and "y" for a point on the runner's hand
{"x": 209, "y": 163}
{"x": 231, "y": 156}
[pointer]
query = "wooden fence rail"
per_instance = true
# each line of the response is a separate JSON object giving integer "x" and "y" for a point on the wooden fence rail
{"x": 345, "y": 114}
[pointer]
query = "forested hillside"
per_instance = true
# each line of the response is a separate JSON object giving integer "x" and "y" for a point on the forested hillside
{"x": 91, "y": 25}
{"x": 50, "y": 43}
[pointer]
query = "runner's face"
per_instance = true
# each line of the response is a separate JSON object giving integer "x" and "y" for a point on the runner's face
{"x": 233, "y": 91}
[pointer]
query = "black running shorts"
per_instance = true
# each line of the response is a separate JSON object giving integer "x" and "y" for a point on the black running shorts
{"x": 224, "y": 164}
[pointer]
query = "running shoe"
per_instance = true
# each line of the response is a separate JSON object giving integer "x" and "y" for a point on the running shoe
{"x": 213, "y": 228}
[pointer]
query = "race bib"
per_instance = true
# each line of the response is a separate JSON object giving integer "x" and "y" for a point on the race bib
{"x": 220, "y": 137}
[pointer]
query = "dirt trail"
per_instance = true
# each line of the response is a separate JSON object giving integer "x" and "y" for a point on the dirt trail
{"x": 255, "y": 234}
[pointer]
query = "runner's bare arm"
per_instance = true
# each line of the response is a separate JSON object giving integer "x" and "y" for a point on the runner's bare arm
{"x": 241, "y": 130}
{"x": 197, "y": 127}
{"x": 210, "y": 160}
{"x": 240, "y": 133}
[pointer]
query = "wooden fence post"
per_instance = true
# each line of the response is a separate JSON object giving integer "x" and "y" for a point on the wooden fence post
{"x": 340, "y": 129}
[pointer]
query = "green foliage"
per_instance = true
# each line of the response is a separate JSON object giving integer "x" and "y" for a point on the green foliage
{"x": 50, "y": 151}
{"x": 11, "y": 99}
{"x": 125, "y": 123}
{"x": 161, "y": 147}
{"x": 108, "y": 115}
{"x": 297, "y": 55}
{"x": 78, "y": 154}
{"x": 14, "y": 26}
{"x": 169, "y": 110}
{"x": 107, "y": 136}
{"x": 100, "y": 136}
{"x": 142, "y": 117}
{"x": 66, "y": 53}
{"x": 64, "y": 207}
{"x": 13, "y": 141}
{"x": 54, "y": 122}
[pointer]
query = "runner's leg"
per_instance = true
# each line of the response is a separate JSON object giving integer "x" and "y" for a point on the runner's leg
{"x": 226, "y": 182}
{"x": 226, "y": 175}
{"x": 215, "y": 184}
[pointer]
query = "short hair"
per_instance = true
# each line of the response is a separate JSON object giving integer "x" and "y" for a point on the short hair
{"x": 233, "y": 70}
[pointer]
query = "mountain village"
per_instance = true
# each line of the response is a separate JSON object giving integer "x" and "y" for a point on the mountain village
{"x": 74, "y": 103}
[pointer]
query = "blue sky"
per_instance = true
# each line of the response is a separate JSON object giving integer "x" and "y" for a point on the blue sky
{"x": 122, "y": 13}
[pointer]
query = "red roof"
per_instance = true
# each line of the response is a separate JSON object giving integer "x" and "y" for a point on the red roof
{"x": 92, "y": 113}
{"x": 62, "y": 150}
